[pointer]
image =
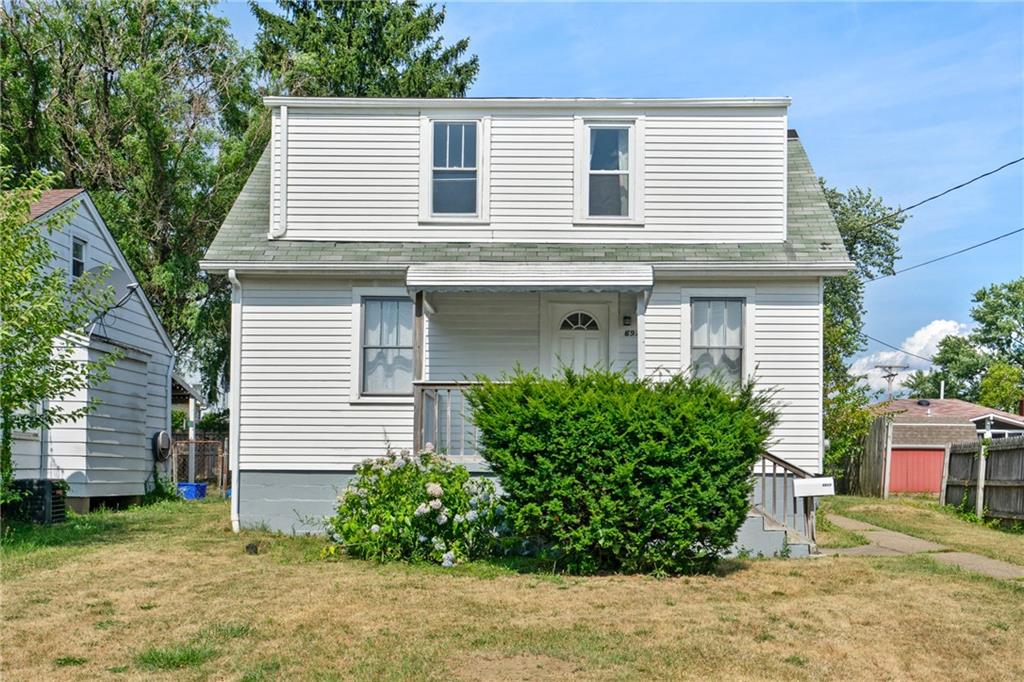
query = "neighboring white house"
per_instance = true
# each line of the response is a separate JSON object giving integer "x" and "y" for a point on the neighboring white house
{"x": 384, "y": 248}
{"x": 109, "y": 452}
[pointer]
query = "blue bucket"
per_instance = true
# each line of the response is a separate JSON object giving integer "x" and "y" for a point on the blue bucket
{"x": 192, "y": 491}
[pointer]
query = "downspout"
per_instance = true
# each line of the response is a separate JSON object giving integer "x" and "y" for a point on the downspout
{"x": 235, "y": 398}
{"x": 167, "y": 423}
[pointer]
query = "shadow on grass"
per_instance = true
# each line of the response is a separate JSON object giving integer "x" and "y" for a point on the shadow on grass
{"x": 104, "y": 526}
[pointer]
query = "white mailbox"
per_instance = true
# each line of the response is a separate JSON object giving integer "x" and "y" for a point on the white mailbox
{"x": 820, "y": 486}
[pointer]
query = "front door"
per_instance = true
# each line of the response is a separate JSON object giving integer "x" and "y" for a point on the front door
{"x": 579, "y": 335}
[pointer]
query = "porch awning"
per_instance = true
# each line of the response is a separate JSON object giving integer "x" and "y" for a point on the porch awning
{"x": 552, "y": 276}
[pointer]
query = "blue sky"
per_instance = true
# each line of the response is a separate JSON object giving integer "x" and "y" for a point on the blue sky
{"x": 905, "y": 99}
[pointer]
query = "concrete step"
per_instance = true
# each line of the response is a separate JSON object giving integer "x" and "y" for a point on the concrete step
{"x": 759, "y": 536}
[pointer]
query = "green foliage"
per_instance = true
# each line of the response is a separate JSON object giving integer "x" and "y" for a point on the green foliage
{"x": 959, "y": 364}
{"x": 1002, "y": 387}
{"x": 44, "y": 320}
{"x": 604, "y": 473}
{"x": 403, "y": 507}
{"x": 175, "y": 657}
{"x": 999, "y": 314}
{"x": 356, "y": 48}
{"x": 214, "y": 422}
{"x": 871, "y": 237}
{"x": 159, "y": 91}
{"x": 160, "y": 489}
{"x": 987, "y": 366}
{"x": 179, "y": 420}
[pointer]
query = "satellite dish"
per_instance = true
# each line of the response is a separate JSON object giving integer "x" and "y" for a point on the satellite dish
{"x": 120, "y": 281}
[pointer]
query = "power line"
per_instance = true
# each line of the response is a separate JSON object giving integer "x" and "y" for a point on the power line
{"x": 907, "y": 352}
{"x": 936, "y": 196}
{"x": 949, "y": 255}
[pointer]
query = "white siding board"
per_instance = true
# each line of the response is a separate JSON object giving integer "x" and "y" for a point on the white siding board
{"x": 786, "y": 345}
{"x": 709, "y": 176}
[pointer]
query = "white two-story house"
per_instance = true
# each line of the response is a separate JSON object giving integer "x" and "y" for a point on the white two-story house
{"x": 385, "y": 250}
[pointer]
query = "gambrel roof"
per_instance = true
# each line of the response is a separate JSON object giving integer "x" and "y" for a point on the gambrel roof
{"x": 812, "y": 238}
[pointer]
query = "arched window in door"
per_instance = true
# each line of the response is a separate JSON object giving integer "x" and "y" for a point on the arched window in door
{"x": 579, "y": 321}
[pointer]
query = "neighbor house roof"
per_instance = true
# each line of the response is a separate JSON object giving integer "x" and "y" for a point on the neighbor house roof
{"x": 51, "y": 199}
{"x": 944, "y": 411}
{"x": 812, "y": 238}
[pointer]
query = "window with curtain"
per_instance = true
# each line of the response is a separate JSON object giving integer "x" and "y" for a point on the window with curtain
{"x": 609, "y": 169}
{"x": 717, "y": 338}
{"x": 387, "y": 346}
{"x": 454, "y": 177}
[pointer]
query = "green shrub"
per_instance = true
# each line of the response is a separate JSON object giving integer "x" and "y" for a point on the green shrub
{"x": 417, "y": 508}
{"x": 604, "y": 473}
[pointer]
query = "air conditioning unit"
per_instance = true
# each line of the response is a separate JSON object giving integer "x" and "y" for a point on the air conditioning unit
{"x": 42, "y": 500}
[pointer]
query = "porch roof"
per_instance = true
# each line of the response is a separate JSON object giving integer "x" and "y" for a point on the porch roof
{"x": 813, "y": 240}
{"x": 529, "y": 277}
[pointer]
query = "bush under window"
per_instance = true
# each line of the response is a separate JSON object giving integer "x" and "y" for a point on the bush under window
{"x": 417, "y": 508}
{"x": 606, "y": 473}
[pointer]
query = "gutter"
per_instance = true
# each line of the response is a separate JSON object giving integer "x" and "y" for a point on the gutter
{"x": 236, "y": 397}
{"x": 524, "y": 102}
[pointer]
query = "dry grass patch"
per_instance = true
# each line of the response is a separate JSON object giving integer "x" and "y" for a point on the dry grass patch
{"x": 283, "y": 614}
{"x": 924, "y": 518}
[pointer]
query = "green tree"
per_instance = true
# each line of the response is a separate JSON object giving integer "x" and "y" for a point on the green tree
{"x": 870, "y": 234}
{"x": 331, "y": 49}
{"x": 352, "y": 48}
{"x": 1002, "y": 386}
{"x": 980, "y": 367}
{"x": 147, "y": 106}
{"x": 999, "y": 313}
{"x": 959, "y": 364}
{"x": 42, "y": 322}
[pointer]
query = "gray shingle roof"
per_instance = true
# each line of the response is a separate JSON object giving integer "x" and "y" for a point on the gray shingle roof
{"x": 813, "y": 238}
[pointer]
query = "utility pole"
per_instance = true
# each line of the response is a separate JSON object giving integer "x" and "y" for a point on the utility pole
{"x": 889, "y": 373}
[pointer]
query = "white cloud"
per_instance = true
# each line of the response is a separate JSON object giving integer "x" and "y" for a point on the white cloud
{"x": 923, "y": 342}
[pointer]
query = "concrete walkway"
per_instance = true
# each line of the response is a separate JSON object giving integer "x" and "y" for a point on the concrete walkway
{"x": 882, "y": 542}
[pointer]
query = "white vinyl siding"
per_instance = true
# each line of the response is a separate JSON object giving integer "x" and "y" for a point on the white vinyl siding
{"x": 296, "y": 371}
{"x": 702, "y": 175}
{"x": 782, "y": 350}
{"x": 85, "y": 452}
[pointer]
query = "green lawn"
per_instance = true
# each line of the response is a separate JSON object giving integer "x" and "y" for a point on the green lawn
{"x": 923, "y": 517}
{"x": 168, "y": 592}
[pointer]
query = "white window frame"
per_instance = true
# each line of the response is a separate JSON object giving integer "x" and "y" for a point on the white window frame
{"x": 356, "y": 334}
{"x": 76, "y": 236}
{"x": 581, "y": 200}
{"x": 749, "y": 298}
{"x": 483, "y": 162}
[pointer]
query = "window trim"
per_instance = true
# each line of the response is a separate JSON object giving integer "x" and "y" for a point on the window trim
{"x": 426, "y": 195}
{"x": 581, "y": 198}
{"x": 356, "y": 355}
{"x": 748, "y": 295}
{"x": 76, "y": 237}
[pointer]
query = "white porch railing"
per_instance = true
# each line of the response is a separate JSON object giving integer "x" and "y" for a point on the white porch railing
{"x": 441, "y": 417}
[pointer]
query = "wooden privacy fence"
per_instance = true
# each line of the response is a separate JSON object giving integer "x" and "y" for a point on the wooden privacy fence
{"x": 992, "y": 480}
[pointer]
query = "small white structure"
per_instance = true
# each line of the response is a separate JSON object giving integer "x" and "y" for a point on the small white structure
{"x": 385, "y": 250}
{"x": 109, "y": 452}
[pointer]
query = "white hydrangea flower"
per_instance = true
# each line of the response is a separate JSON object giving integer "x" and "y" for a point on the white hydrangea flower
{"x": 435, "y": 504}
{"x": 448, "y": 559}
{"x": 442, "y": 519}
{"x": 459, "y": 518}
{"x": 421, "y": 510}
{"x": 434, "y": 490}
{"x": 472, "y": 515}
{"x": 375, "y": 528}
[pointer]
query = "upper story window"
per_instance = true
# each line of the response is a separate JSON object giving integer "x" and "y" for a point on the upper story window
{"x": 717, "y": 338}
{"x": 77, "y": 257}
{"x": 454, "y": 174}
{"x": 609, "y": 171}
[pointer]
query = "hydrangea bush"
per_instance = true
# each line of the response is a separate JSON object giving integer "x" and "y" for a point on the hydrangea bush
{"x": 405, "y": 507}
